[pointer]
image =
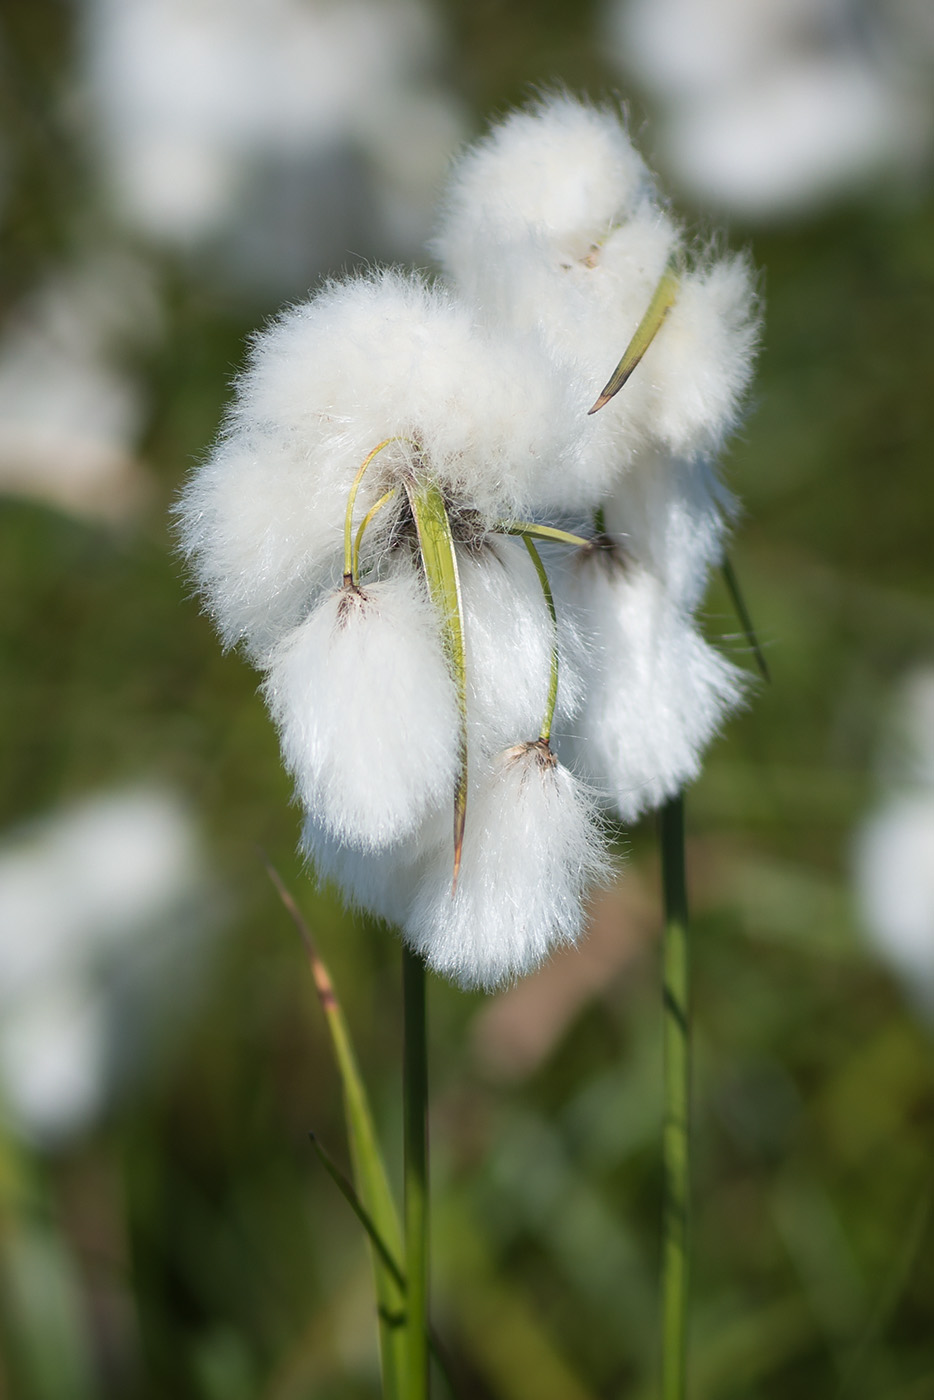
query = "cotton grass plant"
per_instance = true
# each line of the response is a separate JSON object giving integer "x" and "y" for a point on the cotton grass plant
{"x": 468, "y": 564}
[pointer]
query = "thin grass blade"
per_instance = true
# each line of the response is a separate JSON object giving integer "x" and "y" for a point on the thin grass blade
{"x": 440, "y": 562}
{"x": 742, "y": 612}
{"x": 545, "y": 731}
{"x": 663, "y": 299}
{"x": 346, "y": 1187}
{"x": 369, "y": 1171}
{"x": 676, "y": 1144}
{"x": 530, "y": 530}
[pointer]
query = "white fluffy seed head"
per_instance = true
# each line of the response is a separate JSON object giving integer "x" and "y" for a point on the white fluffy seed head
{"x": 367, "y": 712}
{"x": 658, "y": 692}
{"x": 557, "y": 244}
{"x": 561, "y": 170}
{"x": 262, "y": 536}
{"x": 532, "y": 849}
{"x": 686, "y": 393}
{"x": 583, "y": 315}
{"x": 384, "y": 356}
{"x": 519, "y": 243}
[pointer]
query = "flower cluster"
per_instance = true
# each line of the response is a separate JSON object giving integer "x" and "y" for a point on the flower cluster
{"x": 471, "y": 597}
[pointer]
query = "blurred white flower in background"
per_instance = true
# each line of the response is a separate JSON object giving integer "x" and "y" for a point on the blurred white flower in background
{"x": 282, "y": 122}
{"x": 105, "y": 906}
{"x": 772, "y": 107}
{"x": 70, "y": 410}
{"x": 894, "y": 848}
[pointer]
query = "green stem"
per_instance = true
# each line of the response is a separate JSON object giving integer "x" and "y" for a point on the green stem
{"x": 676, "y": 1140}
{"x": 372, "y": 1185}
{"x": 349, "y": 571}
{"x": 545, "y": 732}
{"x": 361, "y": 530}
{"x": 415, "y": 1104}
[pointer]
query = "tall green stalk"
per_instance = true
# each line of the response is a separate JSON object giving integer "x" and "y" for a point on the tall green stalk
{"x": 415, "y": 1105}
{"x": 676, "y": 1139}
{"x": 371, "y": 1192}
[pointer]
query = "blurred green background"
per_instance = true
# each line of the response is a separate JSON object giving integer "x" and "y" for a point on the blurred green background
{"x": 181, "y": 1239}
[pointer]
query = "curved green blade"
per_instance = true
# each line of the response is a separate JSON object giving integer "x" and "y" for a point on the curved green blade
{"x": 545, "y": 731}
{"x": 742, "y": 612}
{"x": 369, "y": 1171}
{"x": 530, "y": 530}
{"x": 663, "y": 299}
{"x": 436, "y": 544}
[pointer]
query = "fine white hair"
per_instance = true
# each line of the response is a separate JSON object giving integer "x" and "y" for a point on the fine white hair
{"x": 561, "y": 169}
{"x": 532, "y": 850}
{"x": 367, "y": 712}
{"x": 554, "y": 243}
{"x": 670, "y": 514}
{"x": 585, "y": 285}
{"x": 384, "y": 356}
{"x": 658, "y": 691}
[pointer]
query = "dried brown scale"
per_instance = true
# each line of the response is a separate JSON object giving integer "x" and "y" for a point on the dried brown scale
{"x": 351, "y": 598}
{"x": 606, "y": 552}
{"x": 539, "y": 749}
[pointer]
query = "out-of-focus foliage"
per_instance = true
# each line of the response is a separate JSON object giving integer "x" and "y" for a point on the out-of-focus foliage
{"x": 185, "y": 1241}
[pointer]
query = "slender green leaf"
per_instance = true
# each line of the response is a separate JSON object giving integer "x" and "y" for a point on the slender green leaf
{"x": 529, "y": 530}
{"x": 663, "y": 299}
{"x": 361, "y": 529}
{"x": 349, "y": 565}
{"x": 415, "y": 1170}
{"x": 676, "y": 1136}
{"x": 347, "y": 1190}
{"x": 440, "y": 561}
{"x": 545, "y": 731}
{"x": 372, "y": 1183}
{"x": 47, "y": 1345}
{"x": 742, "y": 612}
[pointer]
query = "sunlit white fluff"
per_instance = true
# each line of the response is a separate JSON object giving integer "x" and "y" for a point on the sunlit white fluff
{"x": 390, "y": 353}
{"x": 376, "y": 357}
{"x": 383, "y": 882}
{"x": 367, "y": 712}
{"x": 586, "y": 298}
{"x": 669, "y": 514}
{"x": 560, "y": 170}
{"x": 658, "y": 692}
{"x": 532, "y": 850}
{"x": 687, "y": 391}
{"x": 700, "y": 364}
{"x": 528, "y": 286}
{"x": 556, "y": 242}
